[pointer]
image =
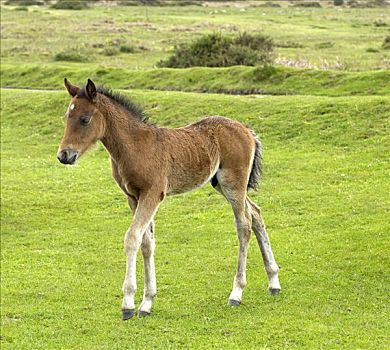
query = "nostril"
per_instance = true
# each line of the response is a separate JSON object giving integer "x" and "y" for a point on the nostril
{"x": 62, "y": 157}
{"x": 73, "y": 159}
{"x": 67, "y": 156}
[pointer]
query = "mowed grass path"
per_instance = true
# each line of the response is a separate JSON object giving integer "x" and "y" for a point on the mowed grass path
{"x": 324, "y": 197}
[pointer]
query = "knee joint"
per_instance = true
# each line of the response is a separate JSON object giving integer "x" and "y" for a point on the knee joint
{"x": 131, "y": 242}
{"x": 147, "y": 249}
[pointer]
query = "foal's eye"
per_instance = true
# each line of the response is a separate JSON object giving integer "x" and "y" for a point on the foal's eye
{"x": 84, "y": 120}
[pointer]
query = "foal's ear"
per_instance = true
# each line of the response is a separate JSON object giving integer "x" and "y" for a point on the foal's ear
{"x": 72, "y": 89}
{"x": 90, "y": 89}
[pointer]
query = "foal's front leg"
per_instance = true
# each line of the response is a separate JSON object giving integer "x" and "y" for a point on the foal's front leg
{"x": 147, "y": 248}
{"x": 146, "y": 209}
{"x": 150, "y": 288}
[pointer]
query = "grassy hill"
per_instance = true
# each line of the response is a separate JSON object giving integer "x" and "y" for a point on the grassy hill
{"x": 233, "y": 80}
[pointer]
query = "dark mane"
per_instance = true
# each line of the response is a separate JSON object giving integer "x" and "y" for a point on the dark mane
{"x": 122, "y": 100}
{"x": 134, "y": 109}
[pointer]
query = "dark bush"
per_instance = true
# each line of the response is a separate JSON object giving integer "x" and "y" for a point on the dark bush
{"x": 110, "y": 51}
{"x": 380, "y": 3}
{"x": 255, "y": 42}
{"x": 352, "y": 3}
{"x": 129, "y": 3}
{"x": 307, "y": 4}
{"x": 127, "y": 49}
{"x": 217, "y": 50}
{"x": 270, "y": 4}
{"x": 160, "y": 2}
{"x": 139, "y": 2}
{"x": 263, "y": 72}
{"x": 338, "y": 2}
{"x": 71, "y": 56}
{"x": 324, "y": 45}
{"x": 380, "y": 23}
{"x": 24, "y": 2}
{"x": 186, "y": 3}
{"x": 70, "y": 5}
{"x": 367, "y": 4}
{"x": 289, "y": 44}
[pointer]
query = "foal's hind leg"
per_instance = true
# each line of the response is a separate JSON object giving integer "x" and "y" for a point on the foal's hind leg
{"x": 270, "y": 264}
{"x": 236, "y": 197}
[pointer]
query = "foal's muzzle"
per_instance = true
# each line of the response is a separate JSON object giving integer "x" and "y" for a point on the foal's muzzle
{"x": 67, "y": 156}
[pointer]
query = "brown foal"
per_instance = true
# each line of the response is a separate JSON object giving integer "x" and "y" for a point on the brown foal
{"x": 149, "y": 163}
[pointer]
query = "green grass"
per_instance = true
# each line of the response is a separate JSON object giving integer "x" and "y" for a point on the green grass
{"x": 39, "y": 34}
{"x": 235, "y": 80}
{"x": 325, "y": 201}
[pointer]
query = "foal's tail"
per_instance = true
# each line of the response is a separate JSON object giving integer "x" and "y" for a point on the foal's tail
{"x": 254, "y": 177}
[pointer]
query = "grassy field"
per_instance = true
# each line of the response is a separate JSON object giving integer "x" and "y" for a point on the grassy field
{"x": 324, "y": 192}
{"x": 324, "y": 197}
{"x": 326, "y": 37}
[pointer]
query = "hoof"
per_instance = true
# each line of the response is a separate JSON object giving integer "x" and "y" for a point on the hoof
{"x": 143, "y": 313}
{"x": 127, "y": 314}
{"x": 232, "y": 302}
{"x": 274, "y": 291}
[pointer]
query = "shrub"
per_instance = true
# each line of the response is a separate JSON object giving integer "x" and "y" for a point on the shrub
{"x": 270, "y": 4}
{"x": 352, "y": 3}
{"x": 127, "y": 49}
{"x": 217, "y": 50}
{"x": 110, "y": 51}
{"x": 24, "y": 2}
{"x": 71, "y": 56}
{"x": 324, "y": 45}
{"x": 160, "y": 3}
{"x": 338, "y": 2}
{"x": 289, "y": 44}
{"x": 307, "y": 4}
{"x": 70, "y": 5}
{"x": 186, "y": 3}
{"x": 367, "y": 4}
{"x": 263, "y": 72}
{"x": 371, "y": 49}
{"x": 380, "y": 23}
{"x": 386, "y": 43}
{"x": 380, "y": 3}
{"x": 128, "y": 3}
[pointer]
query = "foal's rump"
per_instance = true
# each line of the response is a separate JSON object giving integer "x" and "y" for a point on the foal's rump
{"x": 240, "y": 152}
{"x": 210, "y": 146}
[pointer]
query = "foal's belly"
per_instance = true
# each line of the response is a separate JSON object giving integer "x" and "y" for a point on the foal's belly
{"x": 187, "y": 179}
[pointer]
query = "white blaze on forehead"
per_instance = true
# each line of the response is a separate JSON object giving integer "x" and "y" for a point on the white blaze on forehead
{"x": 70, "y": 108}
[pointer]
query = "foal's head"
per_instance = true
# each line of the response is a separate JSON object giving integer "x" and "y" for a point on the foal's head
{"x": 84, "y": 123}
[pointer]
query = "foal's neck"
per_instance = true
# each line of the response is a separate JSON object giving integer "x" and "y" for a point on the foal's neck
{"x": 124, "y": 133}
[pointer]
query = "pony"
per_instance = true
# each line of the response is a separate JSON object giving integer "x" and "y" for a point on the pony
{"x": 150, "y": 163}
